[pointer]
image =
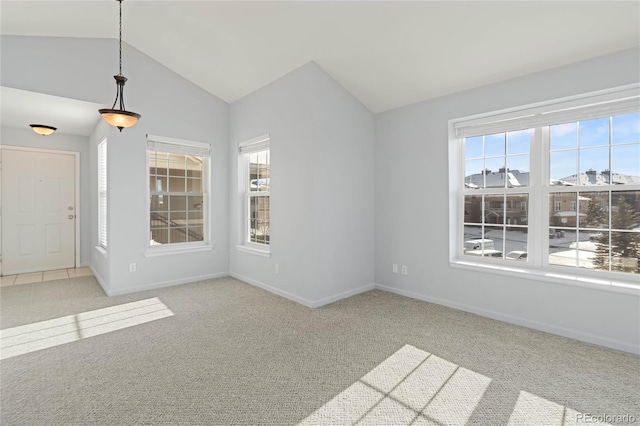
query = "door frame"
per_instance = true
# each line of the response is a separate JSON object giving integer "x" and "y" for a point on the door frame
{"x": 76, "y": 173}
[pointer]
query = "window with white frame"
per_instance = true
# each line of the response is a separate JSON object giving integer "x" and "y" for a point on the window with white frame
{"x": 255, "y": 169}
{"x": 178, "y": 192}
{"x": 102, "y": 194}
{"x": 496, "y": 179}
{"x": 573, "y": 168}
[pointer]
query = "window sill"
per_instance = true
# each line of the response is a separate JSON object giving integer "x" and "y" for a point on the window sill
{"x": 169, "y": 251}
{"x": 595, "y": 283}
{"x": 254, "y": 250}
{"x": 101, "y": 250}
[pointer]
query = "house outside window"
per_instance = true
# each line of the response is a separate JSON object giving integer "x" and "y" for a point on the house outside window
{"x": 178, "y": 192}
{"x": 576, "y": 159}
{"x": 255, "y": 177}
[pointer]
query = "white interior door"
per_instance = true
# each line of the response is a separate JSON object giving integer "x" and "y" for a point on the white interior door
{"x": 38, "y": 211}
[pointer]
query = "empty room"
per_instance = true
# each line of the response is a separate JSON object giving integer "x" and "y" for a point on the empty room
{"x": 452, "y": 236}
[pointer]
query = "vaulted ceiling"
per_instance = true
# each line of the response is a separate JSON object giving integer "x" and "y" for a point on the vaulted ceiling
{"x": 386, "y": 53}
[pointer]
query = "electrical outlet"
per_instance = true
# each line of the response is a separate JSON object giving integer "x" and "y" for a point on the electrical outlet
{"x": 132, "y": 267}
{"x": 277, "y": 269}
{"x": 404, "y": 270}
{"x": 395, "y": 268}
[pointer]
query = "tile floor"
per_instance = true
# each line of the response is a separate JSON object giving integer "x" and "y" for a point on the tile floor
{"x": 36, "y": 277}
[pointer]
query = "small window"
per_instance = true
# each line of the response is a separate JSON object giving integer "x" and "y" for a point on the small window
{"x": 102, "y": 194}
{"x": 255, "y": 172}
{"x": 178, "y": 186}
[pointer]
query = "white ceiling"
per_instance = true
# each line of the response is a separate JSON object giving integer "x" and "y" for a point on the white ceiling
{"x": 21, "y": 108}
{"x": 386, "y": 53}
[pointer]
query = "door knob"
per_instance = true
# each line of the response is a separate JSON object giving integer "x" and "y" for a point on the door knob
{"x": 71, "y": 216}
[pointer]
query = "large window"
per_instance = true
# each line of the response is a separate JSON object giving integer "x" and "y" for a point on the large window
{"x": 102, "y": 194}
{"x": 255, "y": 170}
{"x": 551, "y": 187}
{"x": 178, "y": 203}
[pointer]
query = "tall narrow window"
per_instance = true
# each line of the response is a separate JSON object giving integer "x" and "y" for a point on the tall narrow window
{"x": 102, "y": 194}
{"x": 178, "y": 201}
{"x": 255, "y": 169}
{"x": 496, "y": 181}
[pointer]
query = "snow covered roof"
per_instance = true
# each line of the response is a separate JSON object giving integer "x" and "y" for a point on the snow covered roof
{"x": 516, "y": 178}
{"x": 592, "y": 177}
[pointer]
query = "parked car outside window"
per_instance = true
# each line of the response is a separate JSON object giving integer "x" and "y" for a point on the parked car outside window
{"x": 516, "y": 255}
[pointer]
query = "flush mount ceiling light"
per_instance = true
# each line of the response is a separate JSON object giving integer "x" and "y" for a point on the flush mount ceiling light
{"x": 120, "y": 117}
{"x": 43, "y": 130}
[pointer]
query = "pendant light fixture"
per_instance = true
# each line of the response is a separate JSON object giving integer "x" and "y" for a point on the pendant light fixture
{"x": 120, "y": 117}
{"x": 42, "y": 129}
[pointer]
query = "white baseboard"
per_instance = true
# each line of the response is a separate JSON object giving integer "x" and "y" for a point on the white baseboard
{"x": 301, "y": 300}
{"x": 100, "y": 280}
{"x": 343, "y": 295}
{"x": 537, "y": 325}
{"x": 273, "y": 290}
{"x": 162, "y": 284}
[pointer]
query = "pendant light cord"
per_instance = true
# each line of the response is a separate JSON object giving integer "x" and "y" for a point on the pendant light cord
{"x": 120, "y": 1}
{"x": 120, "y": 117}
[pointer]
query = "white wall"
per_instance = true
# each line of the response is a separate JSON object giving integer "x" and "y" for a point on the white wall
{"x": 170, "y": 106}
{"x": 412, "y": 214}
{"x": 59, "y": 141}
{"x": 343, "y": 191}
{"x": 321, "y": 187}
{"x": 75, "y": 68}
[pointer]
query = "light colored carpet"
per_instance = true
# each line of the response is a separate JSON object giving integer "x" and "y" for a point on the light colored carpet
{"x": 235, "y": 354}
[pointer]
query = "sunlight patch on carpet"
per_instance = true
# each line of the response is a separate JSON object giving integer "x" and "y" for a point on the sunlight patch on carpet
{"x": 531, "y": 410}
{"x": 410, "y": 387}
{"x": 414, "y": 387}
{"x": 58, "y": 331}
